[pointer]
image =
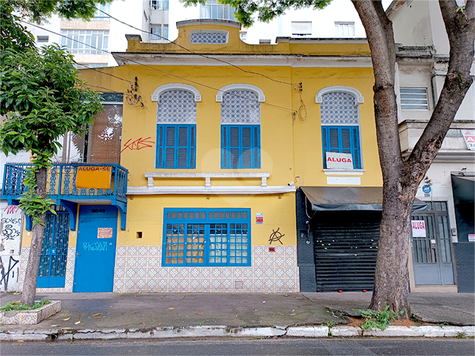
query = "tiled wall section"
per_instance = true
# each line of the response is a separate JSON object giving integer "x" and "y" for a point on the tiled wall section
{"x": 138, "y": 269}
{"x": 68, "y": 288}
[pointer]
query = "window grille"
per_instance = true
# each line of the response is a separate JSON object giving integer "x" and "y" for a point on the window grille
{"x": 340, "y": 125}
{"x": 206, "y": 237}
{"x": 176, "y": 130}
{"x": 414, "y": 99}
{"x": 208, "y": 37}
{"x": 240, "y": 129}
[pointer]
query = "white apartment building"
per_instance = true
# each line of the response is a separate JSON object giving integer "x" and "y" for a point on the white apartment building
{"x": 91, "y": 41}
{"x": 155, "y": 21}
{"x": 444, "y": 258}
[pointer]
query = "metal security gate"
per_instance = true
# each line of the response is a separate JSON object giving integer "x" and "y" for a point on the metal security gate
{"x": 54, "y": 251}
{"x": 432, "y": 254}
{"x": 346, "y": 245}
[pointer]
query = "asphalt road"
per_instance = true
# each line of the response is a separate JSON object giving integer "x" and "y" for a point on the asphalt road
{"x": 289, "y": 346}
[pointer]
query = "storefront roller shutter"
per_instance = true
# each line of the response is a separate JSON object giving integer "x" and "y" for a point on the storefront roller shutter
{"x": 345, "y": 250}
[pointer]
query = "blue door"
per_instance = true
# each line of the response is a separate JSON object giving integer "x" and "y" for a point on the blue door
{"x": 54, "y": 251}
{"x": 95, "y": 249}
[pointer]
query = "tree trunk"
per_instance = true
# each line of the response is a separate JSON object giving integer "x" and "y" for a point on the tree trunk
{"x": 29, "y": 285}
{"x": 401, "y": 177}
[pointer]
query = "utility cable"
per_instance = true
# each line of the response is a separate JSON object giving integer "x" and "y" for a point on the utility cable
{"x": 147, "y": 66}
{"x": 294, "y": 85}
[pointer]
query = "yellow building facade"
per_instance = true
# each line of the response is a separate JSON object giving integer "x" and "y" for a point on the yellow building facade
{"x": 228, "y": 147}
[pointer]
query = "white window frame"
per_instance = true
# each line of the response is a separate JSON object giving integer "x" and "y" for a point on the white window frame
{"x": 345, "y": 26}
{"x": 299, "y": 26}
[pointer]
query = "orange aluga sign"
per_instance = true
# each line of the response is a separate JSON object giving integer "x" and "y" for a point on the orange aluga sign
{"x": 97, "y": 177}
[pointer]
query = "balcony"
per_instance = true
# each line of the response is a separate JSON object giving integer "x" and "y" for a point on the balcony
{"x": 72, "y": 183}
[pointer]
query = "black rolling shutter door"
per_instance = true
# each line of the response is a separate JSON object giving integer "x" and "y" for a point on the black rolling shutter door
{"x": 345, "y": 252}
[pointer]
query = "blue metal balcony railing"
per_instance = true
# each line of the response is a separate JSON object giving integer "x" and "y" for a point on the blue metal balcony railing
{"x": 61, "y": 184}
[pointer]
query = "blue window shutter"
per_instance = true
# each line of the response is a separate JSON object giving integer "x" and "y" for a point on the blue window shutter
{"x": 342, "y": 139}
{"x": 159, "y": 158}
{"x": 176, "y": 146}
{"x": 183, "y": 147}
{"x": 192, "y": 147}
{"x": 224, "y": 147}
{"x": 170, "y": 147}
{"x": 234, "y": 145}
{"x": 240, "y": 146}
{"x": 334, "y": 141}
{"x": 256, "y": 147}
{"x": 246, "y": 147}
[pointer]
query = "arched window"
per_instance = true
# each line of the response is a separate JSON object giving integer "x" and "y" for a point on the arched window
{"x": 240, "y": 126}
{"x": 340, "y": 119}
{"x": 176, "y": 126}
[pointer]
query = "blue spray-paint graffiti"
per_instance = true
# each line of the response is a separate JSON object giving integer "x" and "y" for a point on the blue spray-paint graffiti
{"x": 96, "y": 246}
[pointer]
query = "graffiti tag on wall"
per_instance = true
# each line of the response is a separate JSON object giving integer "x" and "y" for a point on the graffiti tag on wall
{"x": 275, "y": 236}
{"x": 10, "y": 234}
{"x": 10, "y": 240}
{"x": 95, "y": 246}
{"x": 138, "y": 144}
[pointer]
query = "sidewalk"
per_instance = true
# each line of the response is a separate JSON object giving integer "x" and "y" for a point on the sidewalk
{"x": 110, "y": 315}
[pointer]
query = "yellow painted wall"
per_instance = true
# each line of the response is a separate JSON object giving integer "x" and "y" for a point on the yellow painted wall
{"x": 145, "y": 214}
{"x": 291, "y": 147}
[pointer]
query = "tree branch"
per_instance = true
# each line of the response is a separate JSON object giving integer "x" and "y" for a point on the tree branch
{"x": 380, "y": 37}
{"x": 460, "y": 27}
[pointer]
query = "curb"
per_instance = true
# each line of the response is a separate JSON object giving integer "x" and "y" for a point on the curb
{"x": 219, "y": 330}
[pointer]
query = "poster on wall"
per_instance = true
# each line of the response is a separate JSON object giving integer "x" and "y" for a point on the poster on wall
{"x": 259, "y": 218}
{"x": 104, "y": 233}
{"x": 339, "y": 160}
{"x": 418, "y": 228}
{"x": 469, "y": 137}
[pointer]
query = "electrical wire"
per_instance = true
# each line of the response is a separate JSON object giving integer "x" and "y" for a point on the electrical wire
{"x": 108, "y": 90}
{"x": 147, "y": 66}
{"x": 294, "y": 85}
{"x": 112, "y": 75}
